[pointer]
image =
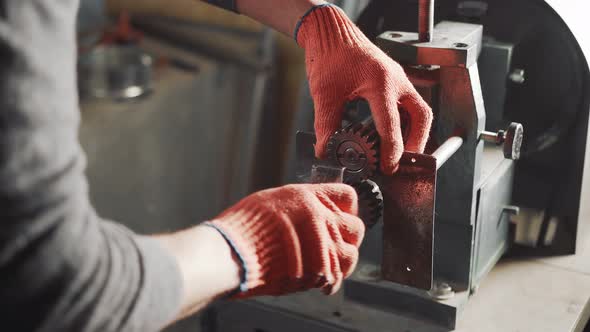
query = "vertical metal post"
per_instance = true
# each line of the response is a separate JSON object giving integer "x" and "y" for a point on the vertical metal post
{"x": 425, "y": 20}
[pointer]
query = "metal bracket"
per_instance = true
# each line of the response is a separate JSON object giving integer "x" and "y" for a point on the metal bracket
{"x": 408, "y": 221}
{"x": 454, "y": 44}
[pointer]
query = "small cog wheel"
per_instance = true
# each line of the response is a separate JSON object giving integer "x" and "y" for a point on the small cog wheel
{"x": 370, "y": 202}
{"x": 356, "y": 148}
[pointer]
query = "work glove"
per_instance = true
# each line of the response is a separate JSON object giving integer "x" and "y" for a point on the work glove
{"x": 294, "y": 238}
{"x": 343, "y": 65}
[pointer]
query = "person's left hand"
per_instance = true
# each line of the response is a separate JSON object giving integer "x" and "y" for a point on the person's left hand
{"x": 294, "y": 238}
{"x": 343, "y": 65}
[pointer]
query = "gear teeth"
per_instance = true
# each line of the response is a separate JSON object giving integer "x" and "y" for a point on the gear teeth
{"x": 370, "y": 202}
{"x": 364, "y": 136}
{"x": 367, "y": 131}
{"x": 330, "y": 145}
{"x": 372, "y": 137}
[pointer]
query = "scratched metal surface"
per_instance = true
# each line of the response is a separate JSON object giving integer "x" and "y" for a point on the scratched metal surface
{"x": 408, "y": 221}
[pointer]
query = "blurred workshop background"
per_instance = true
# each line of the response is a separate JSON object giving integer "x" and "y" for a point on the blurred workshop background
{"x": 212, "y": 123}
{"x": 187, "y": 108}
{"x": 200, "y": 110}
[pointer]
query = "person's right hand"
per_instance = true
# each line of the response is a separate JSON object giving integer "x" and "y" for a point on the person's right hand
{"x": 294, "y": 238}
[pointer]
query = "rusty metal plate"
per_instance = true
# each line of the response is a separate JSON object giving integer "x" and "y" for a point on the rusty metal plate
{"x": 408, "y": 221}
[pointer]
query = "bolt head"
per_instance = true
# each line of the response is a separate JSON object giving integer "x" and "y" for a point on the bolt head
{"x": 441, "y": 291}
{"x": 513, "y": 141}
{"x": 517, "y": 76}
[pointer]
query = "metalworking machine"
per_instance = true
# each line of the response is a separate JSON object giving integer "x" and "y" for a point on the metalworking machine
{"x": 440, "y": 224}
{"x": 473, "y": 180}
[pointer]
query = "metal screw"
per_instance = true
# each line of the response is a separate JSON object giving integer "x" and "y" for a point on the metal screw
{"x": 441, "y": 291}
{"x": 511, "y": 139}
{"x": 517, "y": 76}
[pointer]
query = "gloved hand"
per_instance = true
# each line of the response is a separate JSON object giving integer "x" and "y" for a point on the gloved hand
{"x": 343, "y": 65}
{"x": 294, "y": 238}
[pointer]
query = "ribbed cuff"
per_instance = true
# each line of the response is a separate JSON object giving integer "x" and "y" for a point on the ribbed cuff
{"x": 244, "y": 270}
{"x": 258, "y": 242}
{"x": 326, "y": 27}
{"x": 309, "y": 11}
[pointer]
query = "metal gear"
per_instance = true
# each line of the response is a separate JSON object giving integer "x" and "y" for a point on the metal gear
{"x": 356, "y": 148}
{"x": 370, "y": 202}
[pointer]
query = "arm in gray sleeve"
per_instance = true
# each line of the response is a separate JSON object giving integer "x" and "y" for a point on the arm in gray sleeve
{"x": 61, "y": 267}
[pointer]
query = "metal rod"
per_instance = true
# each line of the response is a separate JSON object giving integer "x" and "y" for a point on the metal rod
{"x": 446, "y": 150}
{"x": 491, "y": 137}
{"x": 425, "y": 20}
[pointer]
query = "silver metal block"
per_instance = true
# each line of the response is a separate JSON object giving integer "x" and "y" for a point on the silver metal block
{"x": 453, "y": 44}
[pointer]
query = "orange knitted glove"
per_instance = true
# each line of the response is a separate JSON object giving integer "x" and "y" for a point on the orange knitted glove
{"x": 343, "y": 65}
{"x": 294, "y": 238}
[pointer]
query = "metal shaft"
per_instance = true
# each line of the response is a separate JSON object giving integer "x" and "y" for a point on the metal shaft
{"x": 491, "y": 137}
{"x": 425, "y": 20}
{"x": 446, "y": 150}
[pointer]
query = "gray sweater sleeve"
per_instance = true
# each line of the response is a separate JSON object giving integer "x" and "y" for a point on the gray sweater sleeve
{"x": 61, "y": 267}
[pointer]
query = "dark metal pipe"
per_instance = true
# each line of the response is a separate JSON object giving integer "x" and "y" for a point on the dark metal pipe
{"x": 425, "y": 20}
{"x": 446, "y": 150}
